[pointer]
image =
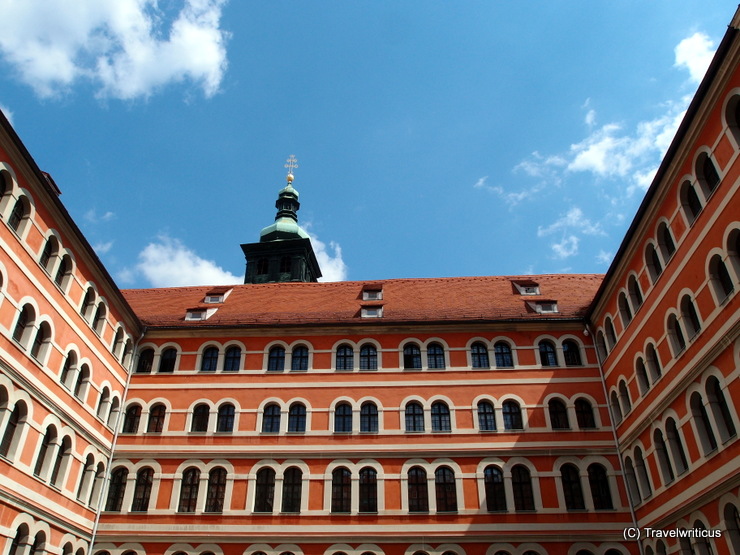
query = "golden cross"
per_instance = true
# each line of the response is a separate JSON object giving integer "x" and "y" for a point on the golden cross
{"x": 291, "y": 163}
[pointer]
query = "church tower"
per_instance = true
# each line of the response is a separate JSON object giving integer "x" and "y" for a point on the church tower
{"x": 284, "y": 251}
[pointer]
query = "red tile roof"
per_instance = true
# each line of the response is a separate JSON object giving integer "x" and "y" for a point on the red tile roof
{"x": 404, "y": 300}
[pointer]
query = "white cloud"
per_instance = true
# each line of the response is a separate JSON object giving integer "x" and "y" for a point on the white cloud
{"x": 93, "y": 217}
{"x": 103, "y": 248}
{"x": 481, "y": 182}
{"x": 125, "y": 48}
{"x": 695, "y": 53}
{"x": 572, "y": 220}
{"x": 566, "y": 248}
{"x": 330, "y": 260}
{"x": 604, "y": 257}
{"x": 168, "y": 263}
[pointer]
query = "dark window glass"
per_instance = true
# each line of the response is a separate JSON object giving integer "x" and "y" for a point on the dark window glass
{"x": 216, "y": 492}
{"x": 599, "y": 482}
{"x": 264, "y": 490}
{"x": 479, "y": 355}
{"x": 512, "y": 415}
{"x": 343, "y": 418}
{"x": 711, "y": 177}
{"x": 116, "y": 489}
{"x": 411, "y": 356}
{"x": 345, "y": 358}
{"x": 418, "y": 492}
{"x": 292, "y": 488}
{"x": 572, "y": 490}
{"x": 62, "y": 271}
{"x": 486, "y": 417}
{"x": 297, "y": 418}
{"x": 548, "y": 357}
{"x": 368, "y": 417}
{"x": 271, "y": 419}
{"x": 585, "y": 414}
{"x": 502, "y": 351}
{"x": 201, "y": 415}
{"x": 558, "y": 414}
{"x": 156, "y": 418}
{"x": 17, "y": 215}
{"x": 571, "y": 353}
{"x": 146, "y": 358}
{"x": 225, "y": 418}
{"x": 368, "y": 357}
{"x": 23, "y": 319}
{"x": 276, "y": 360}
{"x": 493, "y": 478}
{"x": 368, "y": 490}
{"x": 521, "y": 482}
{"x": 143, "y": 489}
{"x": 444, "y": 485}
{"x": 167, "y": 360}
{"x": 209, "y": 361}
{"x": 299, "y": 360}
{"x": 435, "y": 356}
{"x": 189, "y": 490}
{"x": 440, "y": 417}
{"x": 341, "y": 492}
{"x": 414, "y": 417}
{"x": 233, "y": 359}
{"x": 131, "y": 419}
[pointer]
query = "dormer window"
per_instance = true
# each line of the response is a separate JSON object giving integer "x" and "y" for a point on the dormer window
{"x": 526, "y": 287}
{"x": 199, "y": 314}
{"x": 545, "y": 307}
{"x": 217, "y": 295}
{"x": 372, "y": 312}
{"x": 372, "y": 295}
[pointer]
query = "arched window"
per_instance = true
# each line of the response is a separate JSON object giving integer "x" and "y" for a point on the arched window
{"x": 116, "y": 489}
{"x": 20, "y": 212}
{"x": 13, "y": 428}
{"x": 225, "y": 418}
{"x": 83, "y": 378}
{"x": 720, "y": 279}
{"x": 502, "y": 352}
{"x": 558, "y": 414}
{"x": 642, "y": 378}
{"x": 368, "y": 490}
{"x": 25, "y": 321}
{"x": 486, "y": 417}
{"x": 131, "y": 419}
{"x": 50, "y": 437}
{"x": 143, "y": 489}
{"x": 345, "y": 358}
{"x": 631, "y": 478}
{"x": 146, "y": 358}
{"x": 189, "y": 490}
{"x": 414, "y": 417}
{"x": 703, "y": 426}
{"x": 271, "y": 419}
{"x": 41, "y": 341}
{"x": 548, "y": 356}
{"x": 572, "y": 489}
{"x": 512, "y": 415}
{"x": 601, "y": 345}
{"x": 201, "y": 415}
{"x": 441, "y": 417}
{"x": 493, "y": 480}
{"x": 297, "y": 418}
{"x": 633, "y": 287}
{"x": 571, "y": 353}
{"x": 264, "y": 492}
{"x": 479, "y": 355}
{"x": 417, "y": 490}
{"x": 720, "y": 409}
{"x": 276, "y": 359}
{"x": 51, "y": 248}
{"x": 368, "y": 417}
{"x": 675, "y": 445}
{"x": 599, "y": 483}
{"x": 585, "y": 414}
{"x": 642, "y": 476}
{"x": 70, "y": 363}
{"x": 625, "y": 312}
{"x": 103, "y": 403}
{"x": 616, "y": 409}
{"x": 690, "y": 317}
{"x": 652, "y": 261}
{"x": 157, "y": 414}
{"x": 63, "y": 271}
{"x": 209, "y": 360}
{"x": 292, "y": 489}
{"x": 675, "y": 335}
{"x": 299, "y": 359}
{"x": 444, "y": 486}
{"x": 664, "y": 463}
{"x": 368, "y": 357}
{"x": 87, "y": 303}
{"x": 216, "y": 492}
{"x": 233, "y": 359}
{"x": 653, "y": 363}
{"x": 732, "y": 525}
{"x": 343, "y": 418}
{"x": 263, "y": 266}
{"x": 665, "y": 242}
{"x": 690, "y": 203}
{"x": 624, "y": 397}
{"x": 99, "y": 319}
{"x": 341, "y": 490}
{"x": 435, "y": 356}
{"x": 167, "y": 360}
{"x": 411, "y": 356}
{"x": 707, "y": 174}
{"x": 611, "y": 336}
{"x": 521, "y": 482}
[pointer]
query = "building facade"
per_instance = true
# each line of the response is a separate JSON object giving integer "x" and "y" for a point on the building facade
{"x": 495, "y": 415}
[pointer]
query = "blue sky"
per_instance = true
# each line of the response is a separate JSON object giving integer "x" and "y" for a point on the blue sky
{"x": 433, "y": 138}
